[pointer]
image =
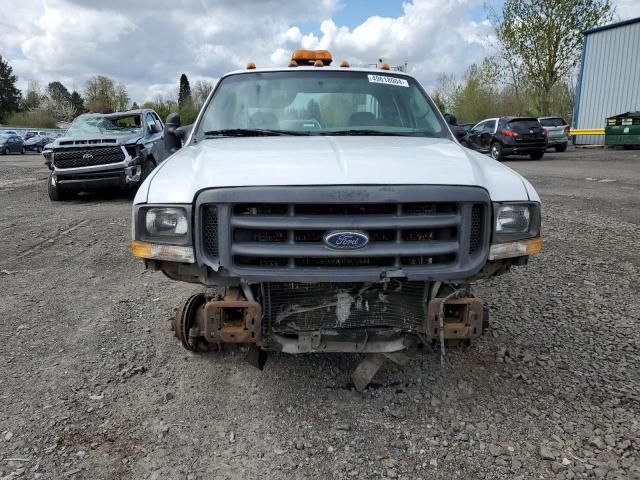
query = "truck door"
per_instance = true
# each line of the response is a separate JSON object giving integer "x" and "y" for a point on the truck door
{"x": 159, "y": 151}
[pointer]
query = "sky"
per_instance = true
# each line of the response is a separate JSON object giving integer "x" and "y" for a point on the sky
{"x": 148, "y": 48}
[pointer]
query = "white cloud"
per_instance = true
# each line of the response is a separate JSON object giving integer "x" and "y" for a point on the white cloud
{"x": 626, "y": 9}
{"x": 148, "y": 47}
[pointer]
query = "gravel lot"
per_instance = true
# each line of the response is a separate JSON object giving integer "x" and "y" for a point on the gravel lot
{"x": 94, "y": 386}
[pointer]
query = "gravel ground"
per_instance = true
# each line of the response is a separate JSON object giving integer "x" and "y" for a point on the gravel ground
{"x": 94, "y": 386}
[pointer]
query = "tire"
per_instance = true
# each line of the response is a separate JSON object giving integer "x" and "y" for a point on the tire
{"x": 561, "y": 148}
{"x": 23, "y": 151}
{"x": 55, "y": 193}
{"x": 39, "y": 149}
{"x": 537, "y": 155}
{"x": 496, "y": 151}
{"x": 6, "y": 151}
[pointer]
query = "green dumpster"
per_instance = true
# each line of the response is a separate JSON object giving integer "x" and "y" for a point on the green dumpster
{"x": 623, "y": 129}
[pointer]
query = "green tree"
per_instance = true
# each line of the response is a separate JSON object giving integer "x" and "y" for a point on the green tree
{"x": 135, "y": 106}
{"x": 34, "y": 97}
{"x": 184, "y": 94}
{"x": 9, "y": 94}
{"x": 543, "y": 39}
{"x": 58, "y": 92}
{"x": 77, "y": 102}
{"x": 99, "y": 94}
{"x": 445, "y": 91}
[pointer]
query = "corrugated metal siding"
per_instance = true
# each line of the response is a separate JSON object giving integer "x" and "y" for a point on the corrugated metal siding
{"x": 610, "y": 81}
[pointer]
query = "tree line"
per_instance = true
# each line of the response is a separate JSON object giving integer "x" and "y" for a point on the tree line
{"x": 46, "y": 107}
{"x": 533, "y": 68}
{"x": 531, "y": 71}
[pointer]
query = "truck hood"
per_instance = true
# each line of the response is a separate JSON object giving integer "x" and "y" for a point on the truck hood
{"x": 327, "y": 160}
{"x": 97, "y": 140}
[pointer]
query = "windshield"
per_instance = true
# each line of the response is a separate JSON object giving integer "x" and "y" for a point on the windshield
{"x": 553, "y": 122}
{"x": 320, "y": 103}
{"x": 96, "y": 124}
{"x": 524, "y": 124}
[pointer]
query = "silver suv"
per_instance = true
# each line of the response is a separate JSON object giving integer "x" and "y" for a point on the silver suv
{"x": 557, "y": 131}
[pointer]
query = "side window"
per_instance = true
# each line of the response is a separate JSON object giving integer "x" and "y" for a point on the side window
{"x": 479, "y": 128}
{"x": 158, "y": 122}
{"x": 149, "y": 120}
{"x": 489, "y": 126}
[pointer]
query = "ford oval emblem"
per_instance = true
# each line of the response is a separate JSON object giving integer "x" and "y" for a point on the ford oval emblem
{"x": 346, "y": 240}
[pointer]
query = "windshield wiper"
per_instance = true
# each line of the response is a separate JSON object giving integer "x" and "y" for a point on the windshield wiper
{"x": 250, "y": 132}
{"x": 365, "y": 132}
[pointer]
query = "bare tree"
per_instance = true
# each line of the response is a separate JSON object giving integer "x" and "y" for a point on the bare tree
{"x": 121, "y": 98}
{"x": 200, "y": 92}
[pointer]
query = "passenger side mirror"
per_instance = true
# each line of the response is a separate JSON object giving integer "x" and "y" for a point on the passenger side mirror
{"x": 173, "y": 135}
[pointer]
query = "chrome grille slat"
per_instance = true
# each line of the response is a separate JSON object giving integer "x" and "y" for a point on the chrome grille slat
{"x": 267, "y": 249}
{"x": 334, "y": 222}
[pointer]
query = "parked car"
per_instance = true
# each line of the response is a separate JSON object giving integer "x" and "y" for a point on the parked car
{"x": 34, "y": 133}
{"x": 11, "y": 144}
{"x": 557, "y": 131}
{"x": 505, "y": 136}
{"x": 105, "y": 151}
{"x": 37, "y": 143}
{"x": 350, "y": 236}
{"x": 8, "y": 132}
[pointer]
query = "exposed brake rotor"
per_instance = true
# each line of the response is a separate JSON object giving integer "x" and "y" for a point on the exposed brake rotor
{"x": 185, "y": 319}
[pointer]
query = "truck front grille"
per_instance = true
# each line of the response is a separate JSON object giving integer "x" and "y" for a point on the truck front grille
{"x": 400, "y": 234}
{"x": 249, "y": 234}
{"x": 290, "y": 308}
{"x": 74, "y": 157}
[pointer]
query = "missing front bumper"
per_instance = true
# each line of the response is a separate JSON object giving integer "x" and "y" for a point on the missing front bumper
{"x": 232, "y": 318}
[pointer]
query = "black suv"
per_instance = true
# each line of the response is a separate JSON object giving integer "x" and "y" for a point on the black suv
{"x": 508, "y": 136}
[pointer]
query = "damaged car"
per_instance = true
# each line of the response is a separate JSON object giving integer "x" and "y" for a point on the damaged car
{"x": 359, "y": 227}
{"x": 105, "y": 151}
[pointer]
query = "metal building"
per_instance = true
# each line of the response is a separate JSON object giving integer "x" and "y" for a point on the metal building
{"x": 609, "y": 79}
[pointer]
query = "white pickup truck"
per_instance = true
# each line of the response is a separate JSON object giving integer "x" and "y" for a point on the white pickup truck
{"x": 334, "y": 210}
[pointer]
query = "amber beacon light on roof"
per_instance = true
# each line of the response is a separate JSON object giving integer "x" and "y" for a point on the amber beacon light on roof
{"x": 312, "y": 57}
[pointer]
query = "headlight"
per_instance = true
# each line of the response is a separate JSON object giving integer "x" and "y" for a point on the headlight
{"x": 166, "y": 222}
{"x": 513, "y": 218}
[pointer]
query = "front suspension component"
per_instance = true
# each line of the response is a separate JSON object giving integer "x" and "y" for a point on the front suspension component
{"x": 228, "y": 318}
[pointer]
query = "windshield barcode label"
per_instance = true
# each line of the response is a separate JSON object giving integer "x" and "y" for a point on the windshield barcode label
{"x": 398, "y": 82}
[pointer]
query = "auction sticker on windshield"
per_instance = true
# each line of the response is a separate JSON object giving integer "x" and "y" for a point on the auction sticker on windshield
{"x": 398, "y": 82}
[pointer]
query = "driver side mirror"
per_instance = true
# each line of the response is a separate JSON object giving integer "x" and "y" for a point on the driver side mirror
{"x": 173, "y": 134}
{"x": 153, "y": 128}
